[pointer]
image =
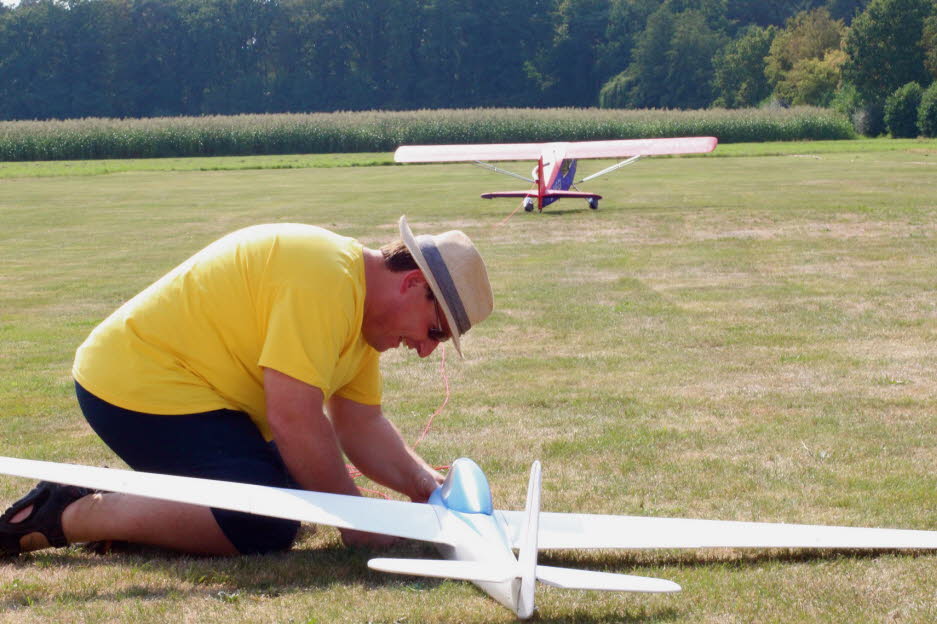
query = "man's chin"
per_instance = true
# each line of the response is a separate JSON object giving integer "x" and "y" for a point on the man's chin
{"x": 381, "y": 346}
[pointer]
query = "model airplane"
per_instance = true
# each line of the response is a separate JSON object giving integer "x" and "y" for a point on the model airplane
{"x": 556, "y": 162}
{"x": 477, "y": 540}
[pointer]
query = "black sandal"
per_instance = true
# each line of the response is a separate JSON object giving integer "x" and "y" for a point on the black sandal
{"x": 48, "y": 500}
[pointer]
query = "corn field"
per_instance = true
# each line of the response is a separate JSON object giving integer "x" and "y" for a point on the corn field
{"x": 345, "y": 132}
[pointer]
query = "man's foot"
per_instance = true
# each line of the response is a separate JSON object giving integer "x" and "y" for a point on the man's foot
{"x": 35, "y": 521}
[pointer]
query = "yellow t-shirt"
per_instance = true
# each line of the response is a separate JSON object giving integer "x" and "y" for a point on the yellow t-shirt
{"x": 283, "y": 296}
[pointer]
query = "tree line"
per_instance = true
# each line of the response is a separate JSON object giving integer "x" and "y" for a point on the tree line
{"x": 144, "y": 58}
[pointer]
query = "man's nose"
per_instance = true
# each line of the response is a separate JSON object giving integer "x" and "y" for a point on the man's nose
{"x": 426, "y": 347}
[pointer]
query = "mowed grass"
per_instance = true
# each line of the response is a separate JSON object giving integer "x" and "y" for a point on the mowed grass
{"x": 745, "y": 338}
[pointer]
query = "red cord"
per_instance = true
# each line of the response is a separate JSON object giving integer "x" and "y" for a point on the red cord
{"x": 445, "y": 379}
{"x": 354, "y": 473}
{"x": 505, "y": 220}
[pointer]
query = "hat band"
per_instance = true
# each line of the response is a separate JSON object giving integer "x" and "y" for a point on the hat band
{"x": 444, "y": 281}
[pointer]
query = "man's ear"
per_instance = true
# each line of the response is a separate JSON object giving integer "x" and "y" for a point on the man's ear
{"x": 412, "y": 279}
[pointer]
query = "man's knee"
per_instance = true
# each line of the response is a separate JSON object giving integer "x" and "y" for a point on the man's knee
{"x": 253, "y": 535}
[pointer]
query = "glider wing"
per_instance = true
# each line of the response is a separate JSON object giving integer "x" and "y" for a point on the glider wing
{"x": 410, "y": 520}
{"x": 562, "y": 530}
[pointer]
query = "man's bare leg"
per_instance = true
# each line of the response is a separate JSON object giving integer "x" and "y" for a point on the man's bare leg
{"x": 140, "y": 520}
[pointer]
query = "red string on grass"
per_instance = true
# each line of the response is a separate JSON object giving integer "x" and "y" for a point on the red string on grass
{"x": 505, "y": 220}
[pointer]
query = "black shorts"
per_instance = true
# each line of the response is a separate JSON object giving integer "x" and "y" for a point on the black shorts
{"x": 222, "y": 444}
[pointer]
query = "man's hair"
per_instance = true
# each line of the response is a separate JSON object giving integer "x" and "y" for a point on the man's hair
{"x": 397, "y": 257}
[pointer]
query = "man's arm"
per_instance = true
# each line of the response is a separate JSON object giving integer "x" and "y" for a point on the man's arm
{"x": 308, "y": 444}
{"x": 374, "y": 445}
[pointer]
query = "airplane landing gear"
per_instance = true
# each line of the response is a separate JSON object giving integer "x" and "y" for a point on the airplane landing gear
{"x": 593, "y": 203}
{"x": 528, "y": 205}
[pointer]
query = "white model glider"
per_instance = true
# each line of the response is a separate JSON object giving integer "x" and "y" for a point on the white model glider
{"x": 555, "y": 172}
{"x": 477, "y": 540}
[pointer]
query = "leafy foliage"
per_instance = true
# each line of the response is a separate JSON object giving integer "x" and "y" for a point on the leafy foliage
{"x": 803, "y": 63}
{"x": 884, "y": 47}
{"x": 738, "y": 69}
{"x": 929, "y": 44}
{"x": 901, "y": 111}
{"x": 927, "y": 113}
{"x": 153, "y": 58}
{"x": 672, "y": 63}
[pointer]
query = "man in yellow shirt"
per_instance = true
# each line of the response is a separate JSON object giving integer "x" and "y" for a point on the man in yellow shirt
{"x": 256, "y": 360}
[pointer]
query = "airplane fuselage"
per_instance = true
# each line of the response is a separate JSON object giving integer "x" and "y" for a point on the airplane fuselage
{"x": 481, "y": 537}
{"x": 557, "y": 172}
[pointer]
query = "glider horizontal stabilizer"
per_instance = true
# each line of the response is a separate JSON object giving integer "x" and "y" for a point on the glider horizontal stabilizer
{"x": 442, "y": 568}
{"x": 568, "y": 578}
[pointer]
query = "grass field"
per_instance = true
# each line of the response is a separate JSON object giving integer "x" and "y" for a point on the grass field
{"x": 748, "y": 337}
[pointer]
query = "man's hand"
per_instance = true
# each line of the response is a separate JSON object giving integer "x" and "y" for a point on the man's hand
{"x": 360, "y": 539}
{"x": 426, "y": 483}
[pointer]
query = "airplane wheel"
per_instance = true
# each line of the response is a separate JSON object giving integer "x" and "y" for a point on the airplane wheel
{"x": 593, "y": 203}
{"x": 528, "y": 206}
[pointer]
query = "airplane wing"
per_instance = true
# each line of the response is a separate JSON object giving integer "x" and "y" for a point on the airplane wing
{"x": 640, "y": 147}
{"x": 463, "y": 153}
{"x": 533, "y": 151}
{"x": 415, "y": 521}
{"x": 570, "y": 530}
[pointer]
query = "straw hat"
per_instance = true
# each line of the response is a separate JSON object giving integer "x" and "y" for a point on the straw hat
{"x": 456, "y": 274}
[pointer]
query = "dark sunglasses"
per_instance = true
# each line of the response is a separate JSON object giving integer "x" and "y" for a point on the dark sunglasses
{"x": 438, "y": 334}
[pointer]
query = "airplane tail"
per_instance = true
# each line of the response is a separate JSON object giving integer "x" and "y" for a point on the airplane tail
{"x": 525, "y": 574}
{"x": 527, "y": 553}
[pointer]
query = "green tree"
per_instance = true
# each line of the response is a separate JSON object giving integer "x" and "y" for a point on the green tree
{"x": 87, "y": 57}
{"x": 812, "y": 81}
{"x": 33, "y": 61}
{"x": 807, "y": 35}
{"x": 689, "y": 61}
{"x": 927, "y": 113}
{"x": 846, "y": 10}
{"x": 672, "y": 65}
{"x": 567, "y": 70}
{"x": 767, "y": 13}
{"x": 798, "y": 66}
{"x": 929, "y": 44}
{"x": 232, "y": 41}
{"x": 739, "y": 69}
{"x": 901, "y": 111}
{"x": 626, "y": 21}
{"x": 884, "y": 47}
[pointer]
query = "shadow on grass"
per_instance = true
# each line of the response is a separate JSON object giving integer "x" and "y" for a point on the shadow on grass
{"x": 732, "y": 557}
{"x": 231, "y": 579}
{"x": 644, "y": 616}
{"x": 559, "y": 212}
{"x": 302, "y": 568}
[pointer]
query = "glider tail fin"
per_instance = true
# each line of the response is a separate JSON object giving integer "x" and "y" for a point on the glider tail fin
{"x": 527, "y": 553}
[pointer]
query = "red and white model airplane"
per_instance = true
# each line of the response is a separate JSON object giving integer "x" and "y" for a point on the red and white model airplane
{"x": 556, "y": 162}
